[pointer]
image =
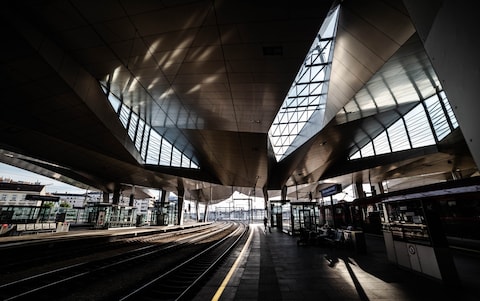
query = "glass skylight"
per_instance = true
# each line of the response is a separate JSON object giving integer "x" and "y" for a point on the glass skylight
{"x": 427, "y": 123}
{"x": 308, "y": 93}
{"x": 153, "y": 148}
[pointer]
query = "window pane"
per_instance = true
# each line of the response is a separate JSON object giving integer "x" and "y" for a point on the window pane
{"x": 437, "y": 116}
{"x": 185, "y": 161}
{"x": 132, "y": 126}
{"x": 453, "y": 119}
{"x": 381, "y": 144}
{"x": 166, "y": 153}
{"x": 418, "y": 127}
{"x": 176, "y": 157}
{"x": 367, "y": 150}
{"x": 146, "y": 135}
{"x": 153, "y": 148}
{"x": 124, "y": 113}
{"x": 139, "y": 137}
{"x": 356, "y": 155}
{"x": 114, "y": 101}
{"x": 398, "y": 136}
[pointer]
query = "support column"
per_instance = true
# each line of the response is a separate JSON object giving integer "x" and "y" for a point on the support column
{"x": 132, "y": 197}
{"x": 181, "y": 193}
{"x": 284, "y": 193}
{"x": 268, "y": 212}
{"x": 358, "y": 190}
{"x": 265, "y": 196}
{"x": 205, "y": 219}
{"x": 380, "y": 188}
{"x": 116, "y": 195}
{"x": 161, "y": 210}
{"x": 106, "y": 197}
{"x": 205, "y": 216}
{"x": 197, "y": 213}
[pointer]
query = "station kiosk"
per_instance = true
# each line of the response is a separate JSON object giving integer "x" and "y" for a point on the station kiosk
{"x": 415, "y": 238}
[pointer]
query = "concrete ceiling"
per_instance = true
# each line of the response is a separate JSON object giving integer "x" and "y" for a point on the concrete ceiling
{"x": 202, "y": 74}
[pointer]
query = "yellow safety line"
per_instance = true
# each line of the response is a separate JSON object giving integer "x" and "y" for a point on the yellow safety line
{"x": 222, "y": 287}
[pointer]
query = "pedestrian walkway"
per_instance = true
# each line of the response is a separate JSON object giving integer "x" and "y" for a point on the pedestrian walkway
{"x": 275, "y": 268}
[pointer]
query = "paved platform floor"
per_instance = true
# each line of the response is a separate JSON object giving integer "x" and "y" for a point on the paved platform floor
{"x": 275, "y": 268}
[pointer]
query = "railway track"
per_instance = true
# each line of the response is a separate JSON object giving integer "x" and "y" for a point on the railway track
{"x": 180, "y": 282}
{"x": 102, "y": 278}
{"x": 12, "y": 258}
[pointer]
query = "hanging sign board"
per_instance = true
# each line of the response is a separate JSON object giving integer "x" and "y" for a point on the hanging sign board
{"x": 331, "y": 190}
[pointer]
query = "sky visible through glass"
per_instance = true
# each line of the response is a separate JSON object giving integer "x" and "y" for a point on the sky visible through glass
{"x": 51, "y": 185}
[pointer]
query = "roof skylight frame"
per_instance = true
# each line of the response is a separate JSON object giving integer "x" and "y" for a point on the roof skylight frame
{"x": 308, "y": 92}
{"x": 435, "y": 121}
{"x": 153, "y": 147}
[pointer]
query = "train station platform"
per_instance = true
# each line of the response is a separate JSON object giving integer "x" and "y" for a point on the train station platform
{"x": 6, "y": 241}
{"x": 274, "y": 267}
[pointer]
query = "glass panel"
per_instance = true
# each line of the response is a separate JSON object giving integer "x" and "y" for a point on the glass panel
{"x": 176, "y": 157}
{"x": 356, "y": 155}
{"x": 132, "y": 127}
{"x": 453, "y": 119}
{"x": 185, "y": 161}
{"x": 153, "y": 148}
{"x": 114, "y": 101}
{"x": 146, "y": 135}
{"x": 166, "y": 153}
{"x": 382, "y": 146}
{"x": 437, "y": 116}
{"x": 418, "y": 127}
{"x": 124, "y": 113}
{"x": 398, "y": 136}
{"x": 138, "y": 139}
{"x": 368, "y": 150}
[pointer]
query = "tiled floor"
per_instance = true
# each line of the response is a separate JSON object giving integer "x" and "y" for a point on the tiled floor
{"x": 275, "y": 268}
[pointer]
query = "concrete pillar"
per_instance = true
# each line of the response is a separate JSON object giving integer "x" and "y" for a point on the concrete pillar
{"x": 268, "y": 212}
{"x": 106, "y": 197}
{"x": 380, "y": 188}
{"x": 197, "y": 211}
{"x": 205, "y": 216}
{"x": 449, "y": 31}
{"x": 161, "y": 209}
{"x": 207, "y": 203}
{"x": 358, "y": 190}
{"x": 377, "y": 188}
{"x": 284, "y": 193}
{"x": 116, "y": 196}
{"x": 181, "y": 193}
{"x": 132, "y": 197}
